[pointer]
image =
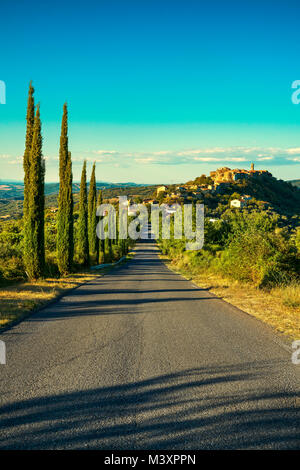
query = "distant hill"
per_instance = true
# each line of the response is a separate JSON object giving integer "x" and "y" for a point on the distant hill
{"x": 283, "y": 196}
{"x": 15, "y": 190}
{"x": 11, "y": 194}
{"x": 295, "y": 183}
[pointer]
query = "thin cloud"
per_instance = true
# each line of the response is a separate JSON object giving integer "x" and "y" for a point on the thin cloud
{"x": 262, "y": 159}
{"x": 105, "y": 152}
{"x": 219, "y": 156}
{"x": 5, "y": 156}
{"x": 293, "y": 151}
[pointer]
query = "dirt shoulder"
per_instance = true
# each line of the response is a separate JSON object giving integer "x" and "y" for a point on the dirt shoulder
{"x": 20, "y": 300}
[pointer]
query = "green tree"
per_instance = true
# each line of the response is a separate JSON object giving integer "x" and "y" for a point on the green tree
{"x": 297, "y": 239}
{"x": 123, "y": 244}
{"x": 28, "y": 144}
{"x": 82, "y": 231}
{"x": 34, "y": 241}
{"x": 110, "y": 240}
{"x": 92, "y": 217}
{"x": 203, "y": 179}
{"x": 65, "y": 248}
{"x": 234, "y": 195}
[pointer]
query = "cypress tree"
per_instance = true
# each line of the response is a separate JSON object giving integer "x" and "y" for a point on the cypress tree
{"x": 92, "y": 217}
{"x": 28, "y": 144}
{"x": 69, "y": 179}
{"x": 122, "y": 242}
{"x": 110, "y": 240}
{"x": 34, "y": 244}
{"x": 65, "y": 247}
{"x": 82, "y": 232}
{"x": 101, "y": 254}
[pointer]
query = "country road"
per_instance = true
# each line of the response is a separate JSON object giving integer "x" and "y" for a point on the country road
{"x": 142, "y": 359}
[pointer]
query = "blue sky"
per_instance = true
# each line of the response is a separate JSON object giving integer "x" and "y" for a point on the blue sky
{"x": 158, "y": 91}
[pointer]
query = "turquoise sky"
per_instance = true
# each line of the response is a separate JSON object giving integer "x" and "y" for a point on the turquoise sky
{"x": 158, "y": 91}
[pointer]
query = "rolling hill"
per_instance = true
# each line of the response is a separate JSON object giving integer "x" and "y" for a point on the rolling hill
{"x": 14, "y": 190}
{"x": 12, "y": 194}
{"x": 295, "y": 183}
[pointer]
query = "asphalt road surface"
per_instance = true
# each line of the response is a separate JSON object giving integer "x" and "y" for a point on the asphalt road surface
{"x": 142, "y": 359}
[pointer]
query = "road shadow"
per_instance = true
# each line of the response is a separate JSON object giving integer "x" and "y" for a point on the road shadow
{"x": 219, "y": 407}
{"x": 124, "y": 292}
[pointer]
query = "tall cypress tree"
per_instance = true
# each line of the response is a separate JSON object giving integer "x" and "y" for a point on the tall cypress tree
{"x": 69, "y": 179}
{"x": 101, "y": 246}
{"x": 110, "y": 240}
{"x": 82, "y": 231}
{"x": 65, "y": 247}
{"x": 92, "y": 217}
{"x": 28, "y": 144}
{"x": 34, "y": 244}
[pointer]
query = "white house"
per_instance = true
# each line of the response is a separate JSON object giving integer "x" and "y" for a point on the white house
{"x": 237, "y": 203}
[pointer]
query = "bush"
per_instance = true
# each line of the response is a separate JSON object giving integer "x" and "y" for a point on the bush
{"x": 244, "y": 247}
{"x": 264, "y": 258}
{"x": 11, "y": 252}
{"x": 11, "y": 264}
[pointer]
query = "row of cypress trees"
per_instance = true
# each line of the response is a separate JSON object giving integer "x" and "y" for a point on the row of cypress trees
{"x": 88, "y": 247}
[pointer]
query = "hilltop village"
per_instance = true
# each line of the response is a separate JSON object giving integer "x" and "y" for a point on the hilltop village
{"x": 227, "y": 189}
{"x": 219, "y": 182}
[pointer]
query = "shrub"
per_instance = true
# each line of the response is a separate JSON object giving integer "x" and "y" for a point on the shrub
{"x": 244, "y": 247}
{"x": 11, "y": 264}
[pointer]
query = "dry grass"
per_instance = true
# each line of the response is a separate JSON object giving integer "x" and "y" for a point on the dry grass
{"x": 19, "y": 300}
{"x": 279, "y": 308}
{"x": 290, "y": 295}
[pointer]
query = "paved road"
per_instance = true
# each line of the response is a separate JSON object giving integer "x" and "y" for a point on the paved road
{"x": 140, "y": 358}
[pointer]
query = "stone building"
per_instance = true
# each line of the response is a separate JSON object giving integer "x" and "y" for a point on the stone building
{"x": 227, "y": 175}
